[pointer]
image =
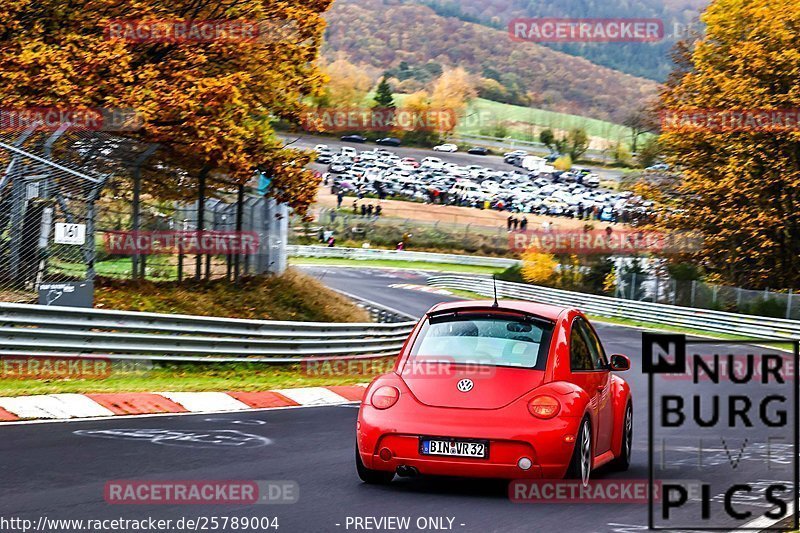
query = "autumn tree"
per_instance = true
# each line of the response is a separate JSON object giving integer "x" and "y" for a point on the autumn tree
{"x": 419, "y": 103}
{"x": 348, "y": 84}
{"x": 453, "y": 91}
{"x": 208, "y": 101}
{"x": 741, "y": 184}
{"x": 538, "y": 267}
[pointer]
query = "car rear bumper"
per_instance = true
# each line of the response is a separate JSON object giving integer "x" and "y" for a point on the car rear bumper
{"x": 512, "y": 433}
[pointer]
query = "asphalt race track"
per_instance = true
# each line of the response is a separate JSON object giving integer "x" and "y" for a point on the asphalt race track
{"x": 59, "y": 470}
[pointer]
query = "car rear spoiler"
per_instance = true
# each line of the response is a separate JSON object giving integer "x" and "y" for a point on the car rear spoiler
{"x": 486, "y": 311}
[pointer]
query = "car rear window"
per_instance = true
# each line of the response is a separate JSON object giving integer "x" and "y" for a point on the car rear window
{"x": 486, "y": 340}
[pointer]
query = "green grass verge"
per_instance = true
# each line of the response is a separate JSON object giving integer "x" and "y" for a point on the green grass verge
{"x": 119, "y": 268}
{"x": 383, "y": 263}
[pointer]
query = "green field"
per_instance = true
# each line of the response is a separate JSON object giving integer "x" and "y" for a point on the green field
{"x": 524, "y": 123}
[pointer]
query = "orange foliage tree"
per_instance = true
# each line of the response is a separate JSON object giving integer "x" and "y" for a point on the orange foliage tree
{"x": 210, "y": 102}
{"x": 740, "y": 185}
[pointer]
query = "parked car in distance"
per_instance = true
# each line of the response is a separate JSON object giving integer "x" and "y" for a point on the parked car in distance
{"x": 389, "y": 141}
{"x": 349, "y": 151}
{"x": 410, "y": 161}
{"x": 354, "y": 139}
{"x": 592, "y": 180}
{"x": 479, "y": 150}
{"x": 321, "y": 148}
{"x": 446, "y": 147}
{"x": 432, "y": 162}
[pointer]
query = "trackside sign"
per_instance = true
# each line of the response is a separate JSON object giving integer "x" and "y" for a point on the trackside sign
{"x": 725, "y": 436}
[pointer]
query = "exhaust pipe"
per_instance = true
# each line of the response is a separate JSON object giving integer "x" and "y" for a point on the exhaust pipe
{"x": 407, "y": 471}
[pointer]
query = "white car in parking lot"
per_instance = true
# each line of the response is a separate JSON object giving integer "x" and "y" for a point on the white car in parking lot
{"x": 447, "y": 147}
{"x": 432, "y": 162}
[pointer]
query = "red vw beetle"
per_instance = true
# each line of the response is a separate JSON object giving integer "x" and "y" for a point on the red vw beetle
{"x": 510, "y": 390}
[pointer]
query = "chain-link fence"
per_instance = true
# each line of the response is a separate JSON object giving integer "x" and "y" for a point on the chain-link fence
{"x": 702, "y": 295}
{"x": 77, "y": 205}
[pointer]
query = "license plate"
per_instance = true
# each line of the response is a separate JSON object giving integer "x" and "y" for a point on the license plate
{"x": 454, "y": 448}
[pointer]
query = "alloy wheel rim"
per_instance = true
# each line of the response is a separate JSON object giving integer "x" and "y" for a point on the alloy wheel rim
{"x": 628, "y": 432}
{"x": 586, "y": 454}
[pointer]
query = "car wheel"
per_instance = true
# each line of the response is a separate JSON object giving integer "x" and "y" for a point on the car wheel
{"x": 623, "y": 461}
{"x": 372, "y": 477}
{"x": 580, "y": 466}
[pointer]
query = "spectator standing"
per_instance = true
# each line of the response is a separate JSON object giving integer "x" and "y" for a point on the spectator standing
{"x": 339, "y": 199}
{"x": 523, "y": 224}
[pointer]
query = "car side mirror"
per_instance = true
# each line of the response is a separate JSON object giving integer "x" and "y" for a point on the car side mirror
{"x": 620, "y": 363}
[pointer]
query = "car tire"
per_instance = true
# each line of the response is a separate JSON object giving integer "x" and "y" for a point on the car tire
{"x": 580, "y": 465}
{"x": 369, "y": 476}
{"x": 623, "y": 460}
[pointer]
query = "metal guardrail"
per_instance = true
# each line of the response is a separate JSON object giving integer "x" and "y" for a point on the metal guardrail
{"x": 367, "y": 254}
{"x": 534, "y": 147}
{"x": 33, "y": 330}
{"x": 668, "y": 315}
{"x": 378, "y": 312}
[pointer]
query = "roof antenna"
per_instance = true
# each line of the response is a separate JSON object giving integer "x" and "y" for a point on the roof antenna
{"x": 494, "y": 283}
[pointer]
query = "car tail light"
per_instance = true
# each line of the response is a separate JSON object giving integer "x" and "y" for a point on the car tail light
{"x": 544, "y": 407}
{"x": 385, "y": 397}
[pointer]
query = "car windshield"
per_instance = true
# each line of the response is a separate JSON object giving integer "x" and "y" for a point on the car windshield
{"x": 485, "y": 340}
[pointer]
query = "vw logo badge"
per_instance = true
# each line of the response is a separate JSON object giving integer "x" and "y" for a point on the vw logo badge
{"x": 465, "y": 385}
